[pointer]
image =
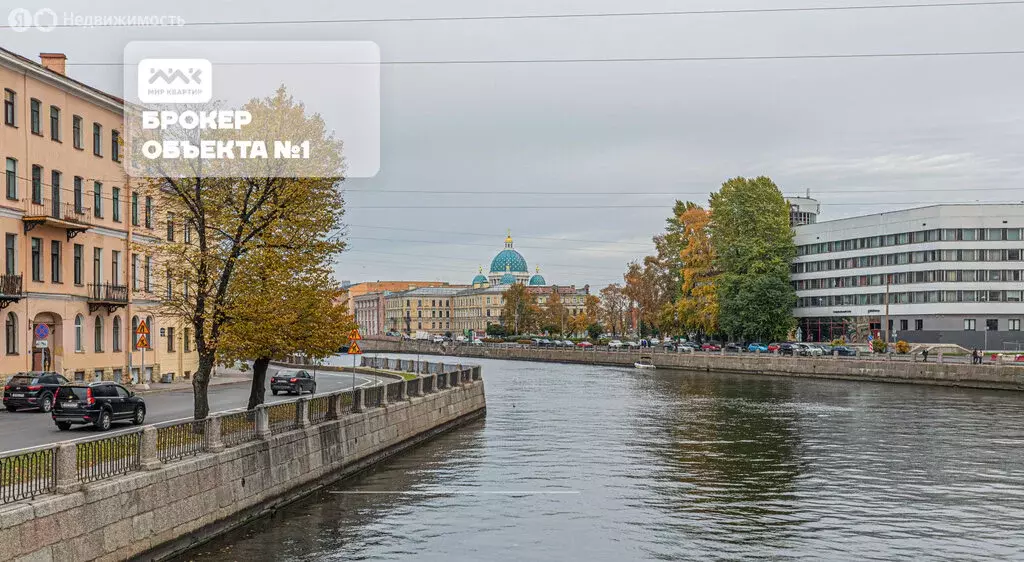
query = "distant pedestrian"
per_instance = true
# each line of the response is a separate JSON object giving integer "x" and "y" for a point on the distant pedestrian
{"x": 924, "y": 354}
{"x": 974, "y": 357}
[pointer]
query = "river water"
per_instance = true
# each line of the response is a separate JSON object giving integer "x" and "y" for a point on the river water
{"x": 600, "y": 463}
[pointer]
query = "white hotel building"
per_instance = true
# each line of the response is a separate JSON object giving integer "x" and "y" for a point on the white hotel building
{"x": 953, "y": 273}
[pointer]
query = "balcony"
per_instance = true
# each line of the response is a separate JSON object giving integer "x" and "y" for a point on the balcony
{"x": 57, "y": 214}
{"x": 11, "y": 290}
{"x": 107, "y": 295}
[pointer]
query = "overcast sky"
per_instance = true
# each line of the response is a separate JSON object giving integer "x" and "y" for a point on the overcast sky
{"x": 533, "y": 143}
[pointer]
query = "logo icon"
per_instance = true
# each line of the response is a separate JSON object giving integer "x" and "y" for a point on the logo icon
{"x": 20, "y": 19}
{"x": 175, "y": 81}
{"x": 45, "y": 20}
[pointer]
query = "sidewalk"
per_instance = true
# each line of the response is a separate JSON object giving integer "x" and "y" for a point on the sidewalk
{"x": 221, "y": 376}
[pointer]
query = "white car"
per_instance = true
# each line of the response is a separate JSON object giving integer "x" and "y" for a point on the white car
{"x": 654, "y": 341}
{"x": 478, "y": 341}
{"x": 615, "y": 344}
{"x": 438, "y": 339}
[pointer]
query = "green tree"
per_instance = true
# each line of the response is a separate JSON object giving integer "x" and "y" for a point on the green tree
{"x": 496, "y": 331}
{"x": 753, "y": 245}
{"x": 595, "y": 330}
{"x": 520, "y": 314}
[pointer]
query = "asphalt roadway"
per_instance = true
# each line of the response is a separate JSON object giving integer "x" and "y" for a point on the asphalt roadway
{"x": 28, "y": 428}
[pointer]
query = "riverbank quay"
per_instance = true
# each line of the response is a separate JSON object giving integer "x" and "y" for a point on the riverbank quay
{"x": 988, "y": 376}
{"x": 160, "y": 490}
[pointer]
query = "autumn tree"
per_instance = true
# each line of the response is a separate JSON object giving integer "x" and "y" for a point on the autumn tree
{"x": 753, "y": 247}
{"x": 697, "y": 306}
{"x": 238, "y": 211}
{"x": 646, "y": 289}
{"x": 614, "y": 306}
{"x": 555, "y": 313}
{"x": 520, "y": 313}
{"x": 668, "y": 247}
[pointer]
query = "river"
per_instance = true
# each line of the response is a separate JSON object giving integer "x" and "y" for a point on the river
{"x": 577, "y": 462}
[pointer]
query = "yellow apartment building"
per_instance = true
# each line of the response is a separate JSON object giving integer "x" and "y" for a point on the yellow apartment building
{"x": 427, "y": 309}
{"x": 73, "y": 289}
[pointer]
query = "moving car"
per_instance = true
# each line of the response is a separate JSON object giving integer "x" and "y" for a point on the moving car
{"x": 293, "y": 383}
{"x": 757, "y": 348}
{"x": 34, "y": 389}
{"x": 98, "y": 404}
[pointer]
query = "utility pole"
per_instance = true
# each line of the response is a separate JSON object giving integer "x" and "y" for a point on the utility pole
{"x": 888, "y": 277}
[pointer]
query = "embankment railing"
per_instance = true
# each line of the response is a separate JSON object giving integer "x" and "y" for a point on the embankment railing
{"x": 64, "y": 467}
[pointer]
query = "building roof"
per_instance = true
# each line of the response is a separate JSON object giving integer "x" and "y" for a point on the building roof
{"x": 40, "y": 72}
{"x": 430, "y": 292}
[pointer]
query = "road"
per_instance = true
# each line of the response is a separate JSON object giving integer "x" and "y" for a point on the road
{"x": 29, "y": 428}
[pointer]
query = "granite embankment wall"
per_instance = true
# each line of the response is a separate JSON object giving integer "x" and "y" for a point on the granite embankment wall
{"x": 996, "y": 376}
{"x": 164, "y": 506}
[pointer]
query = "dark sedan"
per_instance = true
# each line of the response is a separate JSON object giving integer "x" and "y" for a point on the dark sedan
{"x": 293, "y": 383}
{"x": 32, "y": 390}
{"x": 844, "y": 351}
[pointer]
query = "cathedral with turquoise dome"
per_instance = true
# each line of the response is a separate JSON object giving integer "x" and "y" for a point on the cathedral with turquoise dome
{"x": 508, "y": 267}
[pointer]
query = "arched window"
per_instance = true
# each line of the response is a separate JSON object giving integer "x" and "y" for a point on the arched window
{"x": 98, "y": 335}
{"x": 152, "y": 331}
{"x": 12, "y": 333}
{"x": 117, "y": 333}
{"x": 78, "y": 333}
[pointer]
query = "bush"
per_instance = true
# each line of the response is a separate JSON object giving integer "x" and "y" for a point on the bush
{"x": 525, "y": 342}
{"x": 902, "y": 347}
{"x": 878, "y": 346}
{"x": 492, "y": 340}
{"x": 838, "y": 341}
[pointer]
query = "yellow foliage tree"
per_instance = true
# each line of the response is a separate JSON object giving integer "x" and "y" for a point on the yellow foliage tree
{"x": 698, "y": 304}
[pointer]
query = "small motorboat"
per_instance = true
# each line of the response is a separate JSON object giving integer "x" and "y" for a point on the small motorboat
{"x": 644, "y": 363}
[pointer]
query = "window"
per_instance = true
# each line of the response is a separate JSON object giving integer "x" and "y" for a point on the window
{"x": 97, "y": 139}
{"x": 135, "y": 328}
{"x": 78, "y": 333}
{"x": 12, "y": 179}
{"x": 170, "y": 284}
{"x": 170, "y": 227}
{"x": 149, "y": 212}
{"x": 37, "y": 259}
{"x": 135, "y": 209}
{"x": 170, "y": 340}
{"x": 115, "y": 267}
{"x": 55, "y": 123}
{"x": 1013, "y": 325}
{"x": 186, "y": 341}
{"x": 117, "y": 333}
{"x": 148, "y": 280}
{"x": 135, "y": 272}
{"x": 78, "y": 195}
{"x": 78, "y": 263}
{"x": 904, "y": 325}
{"x": 992, "y": 325}
{"x": 115, "y": 202}
{"x": 969, "y": 324}
{"x": 55, "y": 261}
{"x": 188, "y": 232}
{"x": 76, "y": 131}
{"x": 37, "y": 126}
{"x": 152, "y": 330}
{"x": 97, "y": 199}
{"x": 10, "y": 99}
{"x": 919, "y": 325}
{"x": 37, "y": 185}
{"x": 97, "y": 265}
{"x": 115, "y": 145}
{"x": 11, "y": 331}
{"x": 98, "y": 335}
{"x": 9, "y": 253}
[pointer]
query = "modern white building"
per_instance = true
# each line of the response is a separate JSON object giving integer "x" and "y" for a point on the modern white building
{"x": 949, "y": 273}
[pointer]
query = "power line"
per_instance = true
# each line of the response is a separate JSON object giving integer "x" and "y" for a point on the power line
{"x": 662, "y": 206}
{"x": 735, "y": 58}
{"x": 449, "y": 258}
{"x": 489, "y": 235}
{"x": 581, "y": 15}
{"x": 455, "y": 242}
{"x": 850, "y": 191}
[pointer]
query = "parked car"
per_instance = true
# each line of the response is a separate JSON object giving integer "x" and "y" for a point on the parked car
{"x": 787, "y": 349}
{"x": 633, "y": 344}
{"x": 711, "y": 346}
{"x": 544, "y": 342}
{"x": 655, "y": 341}
{"x": 773, "y": 347}
{"x": 733, "y": 347}
{"x": 478, "y": 341}
{"x": 293, "y": 383}
{"x": 34, "y": 389}
{"x": 814, "y": 351}
{"x": 98, "y": 404}
{"x": 826, "y": 349}
{"x": 585, "y": 345}
{"x": 844, "y": 351}
{"x": 691, "y": 346}
{"x": 757, "y": 348}
{"x": 615, "y": 344}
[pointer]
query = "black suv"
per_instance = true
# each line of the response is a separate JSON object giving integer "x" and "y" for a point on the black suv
{"x": 32, "y": 390}
{"x": 293, "y": 383}
{"x": 788, "y": 349}
{"x": 99, "y": 404}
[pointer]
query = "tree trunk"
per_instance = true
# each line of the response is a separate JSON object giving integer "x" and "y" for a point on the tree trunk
{"x": 200, "y": 384}
{"x": 259, "y": 382}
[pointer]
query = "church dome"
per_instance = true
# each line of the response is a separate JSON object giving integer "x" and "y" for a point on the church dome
{"x": 508, "y": 279}
{"x": 509, "y": 260}
{"x": 480, "y": 280}
{"x": 537, "y": 280}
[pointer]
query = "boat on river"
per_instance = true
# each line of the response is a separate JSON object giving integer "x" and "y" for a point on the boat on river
{"x": 644, "y": 363}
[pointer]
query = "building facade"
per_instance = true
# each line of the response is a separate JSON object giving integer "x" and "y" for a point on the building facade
{"x": 351, "y": 291}
{"x": 369, "y": 313}
{"x": 477, "y": 308}
{"x": 74, "y": 284}
{"x": 427, "y": 309}
{"x": 940, "y": 274}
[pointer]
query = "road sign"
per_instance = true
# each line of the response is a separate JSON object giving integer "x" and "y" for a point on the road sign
{"x": 42, "y": 331}
{"x": 143, "y": 341}
{"x": 354, "y": 349}
{"x": 143, "y": 329}
{"x": 354, "y": 336}
{"x": 42, "y": 344}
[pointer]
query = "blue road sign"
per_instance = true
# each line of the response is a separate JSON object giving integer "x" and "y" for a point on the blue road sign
{"x": 42, "y": 331}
